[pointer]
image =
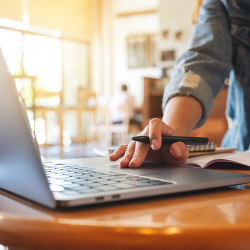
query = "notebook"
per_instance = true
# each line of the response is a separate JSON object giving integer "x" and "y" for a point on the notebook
{"x": 235, "y": 160}
{"x": 206, "y": 149}
{"x": 79, "y": 182}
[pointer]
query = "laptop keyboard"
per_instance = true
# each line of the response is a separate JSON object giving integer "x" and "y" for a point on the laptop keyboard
{"x": 75, "y": 180}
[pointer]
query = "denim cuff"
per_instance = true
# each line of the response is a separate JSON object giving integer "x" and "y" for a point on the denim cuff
{"x": 193, "y": 85}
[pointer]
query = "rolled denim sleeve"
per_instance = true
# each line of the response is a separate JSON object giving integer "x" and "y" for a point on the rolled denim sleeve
{"x": 201, "y": 71}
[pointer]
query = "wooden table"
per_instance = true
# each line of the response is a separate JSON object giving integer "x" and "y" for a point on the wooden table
{"x": 218, "y": 219}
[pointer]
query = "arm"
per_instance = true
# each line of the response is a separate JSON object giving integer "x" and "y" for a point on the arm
{"x": 202, "y": 69}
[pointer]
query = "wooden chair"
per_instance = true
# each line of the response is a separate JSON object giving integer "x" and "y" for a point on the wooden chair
{"x": 110, "y": 135}
{"x": 103, "y": 124}
{"x": 45, "y": 103}
{"x": 119, "y": 131}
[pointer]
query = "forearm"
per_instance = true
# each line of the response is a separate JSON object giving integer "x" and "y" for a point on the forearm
{"x": 182, "y": 113}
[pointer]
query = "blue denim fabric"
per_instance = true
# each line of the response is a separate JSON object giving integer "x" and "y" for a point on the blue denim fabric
{"x": 219, "y": 48}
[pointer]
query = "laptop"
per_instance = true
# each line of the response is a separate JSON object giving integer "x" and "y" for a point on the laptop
{"x": 79, "y": 182}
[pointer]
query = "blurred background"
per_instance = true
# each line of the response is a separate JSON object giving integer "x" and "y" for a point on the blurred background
{"x": 70, "y": 59}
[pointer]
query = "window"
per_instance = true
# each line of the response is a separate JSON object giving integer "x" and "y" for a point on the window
{"x": 142, "y": 51}
{"x": 48, "y": 71}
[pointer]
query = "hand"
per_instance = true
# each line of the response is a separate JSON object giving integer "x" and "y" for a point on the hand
{"x": 135, "y": 153}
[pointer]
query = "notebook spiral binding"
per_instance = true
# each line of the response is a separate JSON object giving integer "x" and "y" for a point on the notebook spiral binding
{"x": 211, "y": 146}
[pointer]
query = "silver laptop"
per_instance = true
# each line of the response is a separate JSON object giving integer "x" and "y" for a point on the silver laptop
{"x": 78, "y": 182}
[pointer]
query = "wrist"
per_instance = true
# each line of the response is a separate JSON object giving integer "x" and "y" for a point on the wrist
{"x": 182, "y": 114}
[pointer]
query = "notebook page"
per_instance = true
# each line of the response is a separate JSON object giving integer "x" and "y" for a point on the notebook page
{"x": 233, "y": 157}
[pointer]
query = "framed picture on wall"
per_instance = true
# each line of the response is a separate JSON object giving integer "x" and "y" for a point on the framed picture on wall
{"x": 137, "y": 51}
{"x": 142, "y": 51}
{"x": 166, "y": 58}
{"x": 168, "y": 55}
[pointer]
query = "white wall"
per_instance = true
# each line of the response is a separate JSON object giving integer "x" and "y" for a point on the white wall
{"x": 176, "y": 16}
{"x": 134, "y": 5}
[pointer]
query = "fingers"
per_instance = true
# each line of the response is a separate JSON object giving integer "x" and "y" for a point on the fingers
{"x": 135, "y": 153}
{"x": 118, "y": 153}
{"x": 156, "y": 129}
{"x": 132, "y": 154}
{"x": 128, "y": 155}
{"x": 139, "y": 154}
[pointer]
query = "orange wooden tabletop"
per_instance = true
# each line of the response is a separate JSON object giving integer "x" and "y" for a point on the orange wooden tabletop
{"x": 215, "y": 219}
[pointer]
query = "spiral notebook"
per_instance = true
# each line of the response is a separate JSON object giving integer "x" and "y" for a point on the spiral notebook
{"x": 205, "y": 149}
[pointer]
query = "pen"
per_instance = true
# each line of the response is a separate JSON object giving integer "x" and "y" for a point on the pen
{"x": 173, "y": 139}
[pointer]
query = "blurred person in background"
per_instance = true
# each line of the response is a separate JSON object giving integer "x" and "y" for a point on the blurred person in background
{"x": 122, "y": 106}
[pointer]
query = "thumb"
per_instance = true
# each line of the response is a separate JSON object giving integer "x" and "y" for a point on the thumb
{"x": 178, "y": 154}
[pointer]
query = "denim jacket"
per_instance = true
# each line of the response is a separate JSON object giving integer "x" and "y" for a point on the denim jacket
{"x": 219, "y": 48}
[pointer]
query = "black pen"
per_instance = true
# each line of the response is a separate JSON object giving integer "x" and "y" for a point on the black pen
{"x": 173, "y": 139}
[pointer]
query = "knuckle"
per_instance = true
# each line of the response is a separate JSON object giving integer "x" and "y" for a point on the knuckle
{"x": 154, "y": 120}
{"x": 122, "y": 148}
